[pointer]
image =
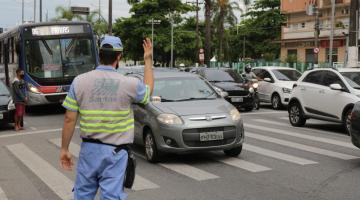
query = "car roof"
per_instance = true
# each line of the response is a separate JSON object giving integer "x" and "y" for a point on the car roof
{"x": 274, "y": 67}
{"x": 349, "y": 69}
{"x": 170, "y": 74}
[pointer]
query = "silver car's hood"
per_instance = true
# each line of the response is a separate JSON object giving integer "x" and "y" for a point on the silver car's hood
{"x": 198, "y": 107}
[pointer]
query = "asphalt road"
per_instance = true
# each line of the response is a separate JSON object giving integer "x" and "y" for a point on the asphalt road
{"x": 278, "y": 162}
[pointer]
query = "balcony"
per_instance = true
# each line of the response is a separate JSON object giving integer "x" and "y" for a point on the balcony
{"x": 288, "y": 34}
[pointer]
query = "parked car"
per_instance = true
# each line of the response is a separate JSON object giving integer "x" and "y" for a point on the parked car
{"x": 355, "y": 125}
{"x": 7, "y": 106}
{"x": 186, "y": 115}
{"x": 325, "y": 94}
{"x": 276, "y": 84}
{"x": 240, "y": 93}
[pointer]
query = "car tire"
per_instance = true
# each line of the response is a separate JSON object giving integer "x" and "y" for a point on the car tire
{"x": 347, "y": 121}
{"x": 296, "y": 115}
{"x": 248, "y": 109}
{"x": 234, "y": 152}
{"x": 276, "y": 102}
{"x": 151, "y": 151}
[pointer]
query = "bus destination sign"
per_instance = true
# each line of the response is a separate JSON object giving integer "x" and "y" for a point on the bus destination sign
{"x": 57, "y": 30}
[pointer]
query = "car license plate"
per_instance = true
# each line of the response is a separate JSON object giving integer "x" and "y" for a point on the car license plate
{"x": 237, "y": 99}
{"x": 1, "y": 116}
{"x": 211, "y": 136}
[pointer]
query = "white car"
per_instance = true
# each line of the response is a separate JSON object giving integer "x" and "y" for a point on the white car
{"x": 276, "y": 84}
{"x": 326, "y": 94}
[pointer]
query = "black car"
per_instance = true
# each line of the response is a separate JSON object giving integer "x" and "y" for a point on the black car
{"x": 240, "y": 93}
{"x": 7, "y": 106}
{"x": 355, "y": 125}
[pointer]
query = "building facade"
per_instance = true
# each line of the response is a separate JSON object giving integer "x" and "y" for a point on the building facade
{"x": 298, "y": 35}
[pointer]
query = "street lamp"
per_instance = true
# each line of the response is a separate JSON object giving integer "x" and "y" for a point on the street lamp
{"x": 152, "y": 22}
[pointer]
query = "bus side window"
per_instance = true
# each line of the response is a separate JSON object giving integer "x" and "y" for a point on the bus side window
{"x": 1, "y": 52}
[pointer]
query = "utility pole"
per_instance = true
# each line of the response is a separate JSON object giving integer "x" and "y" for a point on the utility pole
{"x": 332, "y": 32}
{"x": 353, "y": 34}
{"x": 22, "y": 11}
{"x": 317, "y": 32}
{"x": 34, "y": 11}
{"x": 152, "y": 22}
{"x": 172, "y": 42}
{"x": 40, "y": 11}
{"x": 110, "y": 18}
{"x": 99, "y": 10}
{"x": 244, "y": 48}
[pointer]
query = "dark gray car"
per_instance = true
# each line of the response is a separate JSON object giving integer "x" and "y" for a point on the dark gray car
{"x": 186, "y": 115}
{"x": 355, "y": 125}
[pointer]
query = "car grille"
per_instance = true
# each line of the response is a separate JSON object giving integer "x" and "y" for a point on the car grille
{"x": 55, "y": 98}
{"x": 3, "y": 107}
{"x": 238, "y": 92}
{"x": 191, "y": 137}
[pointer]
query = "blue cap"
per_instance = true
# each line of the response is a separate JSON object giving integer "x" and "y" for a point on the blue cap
{"x": 115, "y": 42}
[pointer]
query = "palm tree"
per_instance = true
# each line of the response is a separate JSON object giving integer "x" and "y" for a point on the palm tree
{"x": 208, "y": 9}
{"x": 224, "y": 15}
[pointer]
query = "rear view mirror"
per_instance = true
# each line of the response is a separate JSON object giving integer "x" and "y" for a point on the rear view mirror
{"x": 267, "y": 80}
{"x": 336, "y": 86}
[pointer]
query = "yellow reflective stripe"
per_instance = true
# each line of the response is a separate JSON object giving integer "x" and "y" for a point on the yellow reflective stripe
{"x": 70, "y": 103}
{"x": 71, "y": 106}
{"x": 146, "y": 97}
{"x": 104, "y": 112}
{"x": 120, "y": 130}
{"x": 71, "y": 100}
{"x": 107, "y": 125}
{"x": 104, "y": 118}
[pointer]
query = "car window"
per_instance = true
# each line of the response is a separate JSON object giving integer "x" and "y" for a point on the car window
{"x": 265, "y": 74}
{"x": 286, "y": 74}
{"x": 218, "y": 76}
{"x": 353, "y": 78}
{"x": 256, "y": 71}
{"x": 314, "y": 77}
{"x": 3, "y": 89}
{"x": 235, "y": 76}
{"x": 331, "y": 78}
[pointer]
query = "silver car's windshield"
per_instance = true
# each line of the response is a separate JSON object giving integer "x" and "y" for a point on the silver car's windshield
{"x": 353, "y": 78}
{"x": 183, "y": 89}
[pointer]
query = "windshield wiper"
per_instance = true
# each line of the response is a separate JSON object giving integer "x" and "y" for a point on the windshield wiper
{"x": 47, "y": 47}
{"x": 193, "y": 98}
{"x": 168, "y": 100}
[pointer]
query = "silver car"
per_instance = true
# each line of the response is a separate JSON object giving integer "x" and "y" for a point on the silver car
{"x": 186, "y": 115}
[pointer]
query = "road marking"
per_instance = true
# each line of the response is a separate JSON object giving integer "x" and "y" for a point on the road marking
{"x": 56, "y": 181}
{"x": 189, "y": 171}
{"x": 301, "y": 147}
{"x": 264, "y": 113}
{"x": 33, "y": 128}
{"x": 285, "y": 118}
{"x": 140, "y": 182}
{"x": 242, "y": 164}
{"x": 33, "y": 132}
{"x": 2, "y": 195}
{"x": 278, "y": 155}
{"x": 299, "y": 135}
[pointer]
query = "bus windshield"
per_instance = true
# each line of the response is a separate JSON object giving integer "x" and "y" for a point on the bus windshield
{"x": 59, "y": 58}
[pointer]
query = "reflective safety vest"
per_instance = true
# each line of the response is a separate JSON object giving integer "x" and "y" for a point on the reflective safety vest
{"x": 103, "y": 97}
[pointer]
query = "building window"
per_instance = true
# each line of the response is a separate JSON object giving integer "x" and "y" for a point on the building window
{"x": 309, "y": 56}
{"x": 334, "y": 55}
{"x": 345, "y": 11}
{"x": 303, "y": 25}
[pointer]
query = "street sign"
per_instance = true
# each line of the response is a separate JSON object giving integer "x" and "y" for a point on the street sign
{"x": 316, "y": 50}
{"x": 80, "y": 10}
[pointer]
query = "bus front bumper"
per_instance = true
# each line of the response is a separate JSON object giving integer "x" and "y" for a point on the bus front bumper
{"x": 43, "y": 99}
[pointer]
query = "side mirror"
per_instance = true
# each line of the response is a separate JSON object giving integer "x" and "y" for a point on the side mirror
{"x": 336, "y": 86}
{"x": 267, "y": 80}
{"x": 224, "y": 94}
{"x": 155, "y": 99}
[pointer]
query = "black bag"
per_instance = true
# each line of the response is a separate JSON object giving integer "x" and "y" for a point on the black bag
{"x": 130, "y": 170}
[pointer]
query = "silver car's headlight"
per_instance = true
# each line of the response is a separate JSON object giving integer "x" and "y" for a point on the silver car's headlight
{"x": 251, "y": 90}
{"x": 286, "y": 90}
{"x": 11, "y": 105}
{"x": 169, "y": 119}
{"x": 235, "y": 114}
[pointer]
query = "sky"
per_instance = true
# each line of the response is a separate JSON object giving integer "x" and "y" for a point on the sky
{"x": 10, "y": 10}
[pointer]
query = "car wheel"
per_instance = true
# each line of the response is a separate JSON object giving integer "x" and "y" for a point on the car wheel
{"x": 276, "y": 102}
{"x": 347, "y": 121}
{"x": 248, "y": 109}
{"x": 233, "y": 152}
{"x": 151, "y": 151}
{"x": 296, "y": 115}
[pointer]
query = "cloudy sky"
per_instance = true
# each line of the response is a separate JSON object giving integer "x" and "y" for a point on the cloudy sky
{"x": 10, "y": 10}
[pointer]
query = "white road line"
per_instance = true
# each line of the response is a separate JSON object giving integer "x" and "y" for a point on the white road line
{"x": 140, "y": 182}
{"x": 301, "y": 147}
{"x": 15, "y": 134}
{"x": 189, "y": 171}
{"x": 278, "y": 155}
{"x": 300, "y": 135}
{"x": 2, "y": 195}
{"x": 285, "y": 118}
{"x": 242, "y": 164}
{"x": 33, "y": 128}
{"x": 264, "y": 113}
{"x": 56, "y": 181}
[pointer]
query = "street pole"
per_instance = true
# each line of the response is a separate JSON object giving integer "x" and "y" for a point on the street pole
{"x": 40, "y": 11}
{"x": 172, "y": 43}
{"x": 317, "y": 31}
{"x": 244, "y": 48}
{"x": 22, "y": 11}
{"x": 34, "y": 11}
{"x": 152, "y": 38}
{"x": 110, "y": 18}
{"x": 332, "y": 32}
{"x": 197, "y": 25}
{"x": 353, "y": 38}
{"x": 99, "y": 10}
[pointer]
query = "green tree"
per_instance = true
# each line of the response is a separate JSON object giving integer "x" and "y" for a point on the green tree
{"x": 66, "y": 13}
